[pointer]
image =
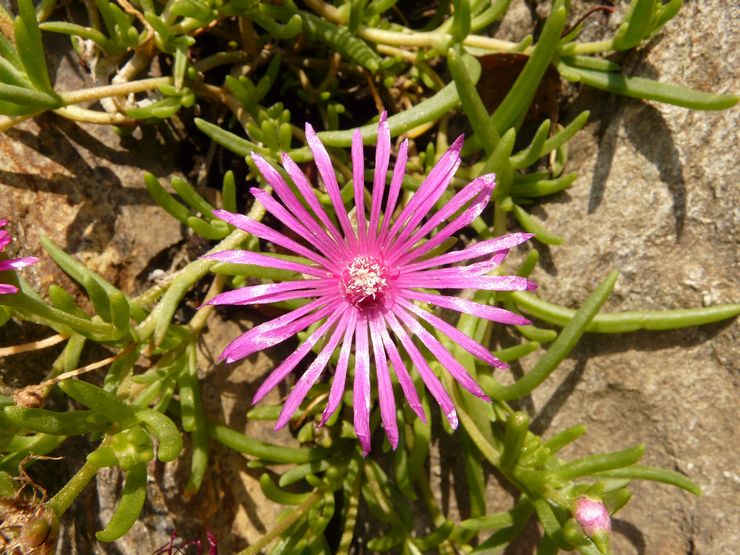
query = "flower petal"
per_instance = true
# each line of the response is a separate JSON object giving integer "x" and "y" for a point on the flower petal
{"x": 326, "y": 171}
{"x": 312, "y": 373}
{"x": 275, "y": 331}
{"x": 476, "y": 250}
{"x": 407, "y": 384}
{"x": 464, "y": 219}
{"x": 427, "y": 375}
{"x": 340, "y": 372}
{"x": 258, "y": 259}
{"x": 399, "y": 172}
{"x": 358, "y": 179}
{"x": 361, "y": 392}
{"x": 382, "y": 159}
{"x": 320, "y": 242}
{"x": 268, "y": 234}
{"x": 308, "y": 193}
{"x": 294, "y": 205}
{"x": 385, "y": 387}
{"x": 406, "y": 240}
{"x": 247, "y": 295}
{"x": 287, "y": 366}
{"x": 487, "y": 283}
{"x": 6, "y": 289}
{"x": 429, "y": 192}
{"x": 470, "y": 345}
{"x": 444, "y": 356}
{"x": 17, "y": 263}
{"x": 465, "y": 306}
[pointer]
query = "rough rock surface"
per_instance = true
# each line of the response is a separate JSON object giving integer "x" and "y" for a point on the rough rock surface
{"x": 656, "y": 198}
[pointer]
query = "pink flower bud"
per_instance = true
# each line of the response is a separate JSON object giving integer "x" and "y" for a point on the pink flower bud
{"x": 592, "y": 516}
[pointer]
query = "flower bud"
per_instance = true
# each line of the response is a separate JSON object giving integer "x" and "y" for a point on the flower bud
{"x": 593, "y": 518}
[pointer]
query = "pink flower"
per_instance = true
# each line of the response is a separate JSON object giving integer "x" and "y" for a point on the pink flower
{"x": 11, "y": 263}
{"x": 592, "y": 516}
{"x": 362, "y": 281}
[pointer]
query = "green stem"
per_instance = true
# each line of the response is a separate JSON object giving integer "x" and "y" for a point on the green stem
{"x": 283, "y": 525}
{"x": 623, "y": 322}
{"x": 72, "y": 489}
{"x": 560, "y": 347}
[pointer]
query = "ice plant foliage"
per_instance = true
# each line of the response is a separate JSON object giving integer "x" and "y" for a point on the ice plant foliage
{"x": 364, "y": 281}
{"x": 11, "y": 263}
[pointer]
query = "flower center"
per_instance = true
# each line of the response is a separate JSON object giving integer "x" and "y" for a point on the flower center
{"x": 364, "y": 281}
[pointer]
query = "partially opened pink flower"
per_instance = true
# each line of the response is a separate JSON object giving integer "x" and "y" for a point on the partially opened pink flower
{"x": 11, "y": 263}
{"x": 363, "y": 282}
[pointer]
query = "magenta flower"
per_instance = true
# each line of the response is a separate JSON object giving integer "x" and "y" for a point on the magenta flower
{"x": 11, "y": 263}
{"x": 363, "y": 281}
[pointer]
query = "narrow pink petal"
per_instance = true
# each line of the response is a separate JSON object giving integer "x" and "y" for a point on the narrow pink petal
{"x": 433, "y": 384}
{"x": 407, "y": 384}
{"x": 361, "y": 392}
{"x": 358, "y": 178}
{"x": 6, "y": 288}
{"x": 430, "y": 190}
{"x": 382, "y": 159}
{"x": 5, "y": 239}
{"x": 245, "y": 295}
{"x": 385, "y": 386}
{"x": 320, "y": 242}
{"x": 340, "y": 372}
{"x": 444, "y": 356}
{"x": 470, "y": 345}
{"x": 258, "y": 259}
{"x": 476, "y": 269}
{"x": 3, "y": 222}
{"x": 294, "y": 205}
{"x": 287, "y": 366}
{"x": 326, "y": 171}
{"x": 399, "y": 172}
{"x": 461, "y": 221}
{"x": 312, "y": 373}
{"x": 465, "y": 306}
{"x": 274, "y": 331}
{"x": 268, "y": 234}
{"x": 308, "y": 193}
{"x": 470, "y": 191}
{"x": 481, "y": 248}
{"x": 486, "y": 283}
{"x": 17, "y": 263}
